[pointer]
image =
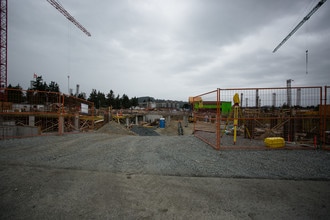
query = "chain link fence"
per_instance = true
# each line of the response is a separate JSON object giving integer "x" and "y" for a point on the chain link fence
{"x": 206, "y": 117}
{"x": 244, "y": 118}
{"x": 326, "y": 113}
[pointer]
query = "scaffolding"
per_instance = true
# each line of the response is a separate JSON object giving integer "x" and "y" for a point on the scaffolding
{"x": 31, "y": 112}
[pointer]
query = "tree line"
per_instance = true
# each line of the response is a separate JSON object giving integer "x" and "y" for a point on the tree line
{"x": 100, "y": 100}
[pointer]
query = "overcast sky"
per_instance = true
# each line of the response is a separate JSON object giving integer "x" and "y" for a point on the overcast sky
{"x": 169, "y": 49}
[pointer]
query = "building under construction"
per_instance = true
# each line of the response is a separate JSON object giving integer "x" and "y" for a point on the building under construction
{"x": 31, "y": 112}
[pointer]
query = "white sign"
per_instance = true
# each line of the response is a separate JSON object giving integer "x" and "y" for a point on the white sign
{"x": 84, "y": 108}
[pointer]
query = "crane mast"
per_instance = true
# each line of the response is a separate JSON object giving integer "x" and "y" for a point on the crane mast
{"x": 3, "y": 46}
{"x": 300, "y": 24}
{"x": 60, "y": 8}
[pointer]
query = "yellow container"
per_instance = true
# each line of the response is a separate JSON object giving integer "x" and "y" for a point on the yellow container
{"x": 274, "y": 142}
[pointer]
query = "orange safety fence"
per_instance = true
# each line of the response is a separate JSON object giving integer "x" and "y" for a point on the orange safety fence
{"x": 31, "y": 112}
{"x": 206, "y": 111}
{"x": 326, "y": 115}
{"x": 299, "y": 115}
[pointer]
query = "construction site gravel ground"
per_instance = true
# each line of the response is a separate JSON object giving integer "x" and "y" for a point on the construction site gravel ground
{"x": 114, "y": 173}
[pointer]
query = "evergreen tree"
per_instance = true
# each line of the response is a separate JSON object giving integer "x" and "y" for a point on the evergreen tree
{"x": 39, "y": 84}
{"x": 53, "y": 87}
{"x": 15, "y": 94}
{"x": 117, "y": 103}
{"x": 93, "y": 98}
{"x": 111, "y": 99}
{"x": 125, "y": 101}
{"x": 82, "y": 96}
{"x": 134, "y": 102}
{"x": 98, "y": 98}
{"x": 101, "y": 99}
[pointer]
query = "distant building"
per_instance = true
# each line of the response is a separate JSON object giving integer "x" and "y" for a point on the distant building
{"x": 150, "y": 102}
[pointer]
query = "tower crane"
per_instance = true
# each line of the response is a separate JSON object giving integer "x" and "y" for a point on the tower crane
{"x": 319, "y": 4}
{"x": 3, "y": 46}
{"x": 4, "y": 35}
{"x": 60, "y": 8}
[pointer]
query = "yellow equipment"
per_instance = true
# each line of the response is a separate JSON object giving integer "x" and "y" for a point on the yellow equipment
{"x": 236, "y": 111}
{"x": 274, "y": 142}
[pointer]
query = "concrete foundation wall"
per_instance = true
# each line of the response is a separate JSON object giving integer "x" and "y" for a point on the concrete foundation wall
{"x": 18, "y": 131}
{"x": 152, "y": 118}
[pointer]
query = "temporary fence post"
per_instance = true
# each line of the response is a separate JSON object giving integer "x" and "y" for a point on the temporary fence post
{"x": 324, "y": 118}
{"x": 325, "y": 115}
{"x": 218, "y": 121}
{"x": 322, "y": 109}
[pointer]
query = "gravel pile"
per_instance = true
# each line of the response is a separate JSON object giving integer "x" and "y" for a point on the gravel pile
{"x": 116, "y": 150}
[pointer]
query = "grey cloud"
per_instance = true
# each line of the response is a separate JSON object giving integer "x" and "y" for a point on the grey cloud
{"x": 167, "y": 49}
